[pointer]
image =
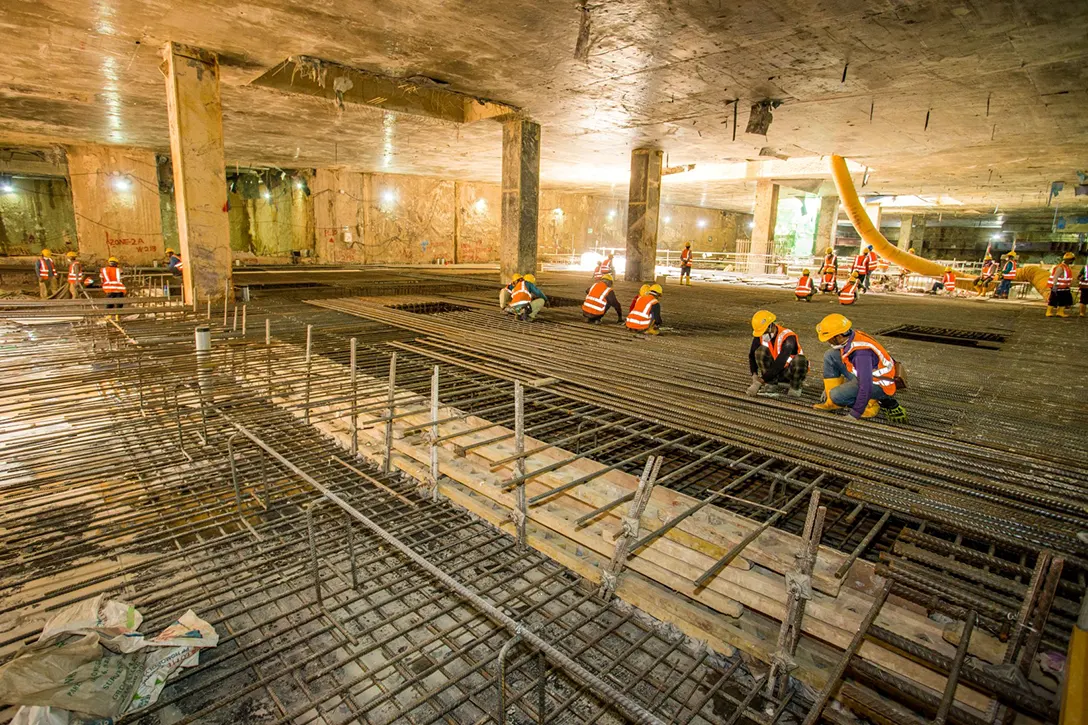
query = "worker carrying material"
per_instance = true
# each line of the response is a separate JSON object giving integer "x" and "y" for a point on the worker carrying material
{"x": 173, "y": 262}
{"x": 47, "y": 274}
{"x": 685, "y": 264}
{"x": 1008, "y": 274}
{"x": 805, "y": 289}
{"x": 600, "y": 298}
{"x": 526, "y": 299}
{"x": 848, "y": 295}
{"x": 1082, "y": 283}
{"x": 111, "y": 281}
{"x": 829, "y": 272}
{"x": 858, "y": 372}
{"x": 605, "y": 266}
{"x": 986, "y": 277}
{"x": 946, "y": 283}
{"x": 645, "y": 314}
{"x": 1059, "y": 284}
{"x": 75, "y": 274}
{"x": 505, "y": 292}
{"x": 776, "y": 357}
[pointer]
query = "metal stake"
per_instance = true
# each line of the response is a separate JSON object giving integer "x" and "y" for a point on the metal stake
{"x": 354, "y": 399}
{"x": 519, "y": 465}
{"x": 629, "y": 531}
{"x": 309, "y": 368}
{"x": 387, "y": 462}
{"x": 434, "y": 434}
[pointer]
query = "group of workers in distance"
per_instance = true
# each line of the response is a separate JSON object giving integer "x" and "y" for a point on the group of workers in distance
{"x": 859, "y": 373}
{"x": 861, "y": 271}
{"x": 109, "y": 276}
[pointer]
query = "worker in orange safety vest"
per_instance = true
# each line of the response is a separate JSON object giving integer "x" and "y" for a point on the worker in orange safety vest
{"x": 861, "y": 268}
{"x": 829, "y": 272}
{"x": 871, "y": 263}
{"x": 775, "y": 357}
{"x": 946, "y": 283}
{"x": 859, "y": 372}
{"x": 47, "y": 274}
{"x": 685, "y": 264}
{"x": 605, "y": 266}
{"x": 645, "y": 314}
{"x": 1061, "y": 280}
{"x": 1008, "y": 276}
{"x": 986, "y": 277}
{"x": 75, "y": 274}
{"x": 111, "y": 282}
{"x": 805, "y": 289}
{"x": 600, "y": 298}
{"x": 848, "y": 295}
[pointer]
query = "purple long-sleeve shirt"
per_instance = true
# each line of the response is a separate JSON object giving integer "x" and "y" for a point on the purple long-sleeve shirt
{"x": 864, "y": 363}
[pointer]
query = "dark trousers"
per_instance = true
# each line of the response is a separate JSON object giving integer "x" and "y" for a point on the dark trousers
{"x": 863, "y": 282}
{"x": 792, "y": 375}
{"x": 1003, "y": 288}
{"x": 113, "y": 295}
{"x": 684, "y": 271}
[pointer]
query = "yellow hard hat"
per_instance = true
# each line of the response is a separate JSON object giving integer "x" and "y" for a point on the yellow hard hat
{"x": 989, "y": 258}
{"x": 71, "y": 255}
{"x": 644, "y": 290}
{"x": 832, "y": 325}
{"x": 655, "y": 289}
{"x": 761, "y": 321}
{"x": 1068, "y": 256}
{"x": 608, "y": 278}
{"x": 947, "y": 269}
{"x": 829, "y": 250}
{"x": 1012, "y": 254}
{"x": 169, "y": 250}
{"x": 112, "y": 259}
{"x": 853, "y": 275}
{"x": 515, "y": 278}
{"x": 805, "y": 272}
{"x": 46, "y": 252}
{"x": 910, "y": 251}
{"x": 530, "y": 278}
{"x": 688, "y": 244}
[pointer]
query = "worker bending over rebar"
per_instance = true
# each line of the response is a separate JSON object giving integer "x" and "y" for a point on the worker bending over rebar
{"x": 600, "y": 298}
{"x": 775, "y": 358}
{"x": 858, "y": 373}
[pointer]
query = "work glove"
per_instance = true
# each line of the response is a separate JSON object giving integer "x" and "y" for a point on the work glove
{"x": 757, "y": 383}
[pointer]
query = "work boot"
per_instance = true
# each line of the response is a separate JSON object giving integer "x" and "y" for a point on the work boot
{"x": 1063, "y": 312}
{"x": 896, "y": 415}
{"x": 1049, "y": 311}
{"x": 829, "y": 385}
{"x": 1082, "y": 308}
{"x": 653, "y": 331}
{"x": 871, "y": 409}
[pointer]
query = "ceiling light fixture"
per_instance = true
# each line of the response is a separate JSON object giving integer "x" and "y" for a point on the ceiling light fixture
{"x": 121, "y": 183}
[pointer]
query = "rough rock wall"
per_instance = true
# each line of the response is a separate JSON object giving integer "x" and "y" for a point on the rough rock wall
{"x": 271, "y": 227}
{"x": 38, "y": 214}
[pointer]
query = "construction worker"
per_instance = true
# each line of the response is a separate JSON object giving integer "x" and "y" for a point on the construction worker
{"x": 946, "y": 283}
{"x": 1008, "y": 275}
{"x": 645, "y": 314}
{"x": 1061, "y": 296}
{"x": 1082, "y": 282}
{"x": 47, "y": 274}
{"x": 986, "y": 278}
{"x": 526, "y": 300}
{"x": 848, "y": 295}
{"x": 643, "y": 290}
{"x": 685, "y": 264}
{"x": 505, "y": 292}
{"x": 600, "y": 298}
{"x": 858, "y": 372}
{"x": 805, "y": 289}
{"x": 605, "y": 266}
{"x": 75, "y": 274}
{"x": 872, "y": 262}
{"x": 829, "y": 272}
{"x": 861, "y": 268}
{"x": 775, "y": 357}
{"x": 111, "y": 281}
{"x": 173, "y": 262}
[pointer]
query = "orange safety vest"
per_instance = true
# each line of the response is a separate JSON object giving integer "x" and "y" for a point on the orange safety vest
{"x": 685, "y": 258}
{"x": 829, "y": 279}
{"x": 831, "y": 262}
{"x": 1060, "y": 277}
{"x": 111, "y": 279}
{"x": 179, "y": 265}
{"x": 884, "y": 373}
{"x": 1011, "y": 273}
{"x": 596, "y": 300}
{"x": 641, "y": 316}
{"x": 775, "y": 344}
{"x": 1082, "y": 280}
{"x": 46, "y": 268}
{"x": 949, "y": 280}
{"x": 804, "y": 286}
{"x": 603, "y": 268}
{"x": 847, "y": 295}
{"x": 861, "y": 264}
{"x": 75, "y": 269}
{"x": 988, "y": 269}
{"x": 871, "y": 259}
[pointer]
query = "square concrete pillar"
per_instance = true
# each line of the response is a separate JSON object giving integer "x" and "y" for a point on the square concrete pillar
{"x": 906, "y": 222}
{"x": 520, "y": 197}
{"x": 200, "y": 182}
{"x": 827, "y": 221}
{"x": 643, "y": 210}
{"x": 765, "y": 217}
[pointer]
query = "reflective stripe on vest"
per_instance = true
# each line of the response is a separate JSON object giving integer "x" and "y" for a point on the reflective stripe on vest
{"x": 521, "y": 294}
{"x": 846, "y": 294}
{"x": 861, "y": 264}
{"x": 75, "y": 269}
{"x": 830, "y": 262}
{"x": 949, "y": 280}
{"x": 884, "y": 373}
{"x": 685, "y": 257}
{"x": 596, "y": 300}
{"x": 988, "y": 269}
{"x": 804, "y": 287}
{"x": 46, "y": 268}
{"x": 641, "y": 316}
{"x": 111, "y": 279}
{"x": 1010, "y": 272}
{"x": 871, "y": 259}
{"x": 775, "y": 345}
{"x": 602, "y": 269}
{"x": 1082, "y": 280}
{"x": 1060, "y": 277}
{"x": 829, "y": 277}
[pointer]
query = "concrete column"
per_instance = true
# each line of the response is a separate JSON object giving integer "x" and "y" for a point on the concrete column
{"x": 826, "y": 224}
{"x": 200, "y": 183}
{"x": 906, "y": 221}
{"x": 520, "y": 197}
{"x": 765, "y": 217}
{"x": 643, "y": 211}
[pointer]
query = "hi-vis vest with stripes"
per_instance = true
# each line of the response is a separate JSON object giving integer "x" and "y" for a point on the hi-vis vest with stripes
{"x": 603, "y": 267}
{"x": 949, "y": 280}
{"x": 847, "y": 294}
{"x": 75, "y": 271}
{"x": 111, "y": 279}
{"x": 1061, "y": 277}
{"x": 804, "y": 286}
{"x": 641, "y": 316}
{"x": 521, "y": 295}
{"x": 883, "y": 373}
{"x": 46, "y": 269}
{"x": 861, "y": 264}
{"x": 685, "y": 257}
{"x": 1010, "y": 271}
{"x": 775, "y": 345}
{"x": 596, "y": 300}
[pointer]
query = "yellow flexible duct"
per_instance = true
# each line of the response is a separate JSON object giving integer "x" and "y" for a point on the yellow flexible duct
{"x": 848, "y": 197}
{"x": 1074, "y": 693}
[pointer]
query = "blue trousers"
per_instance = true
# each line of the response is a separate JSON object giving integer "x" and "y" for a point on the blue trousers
{"x": 1003, "y": 288}
{"x": 847, "y": 393}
